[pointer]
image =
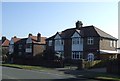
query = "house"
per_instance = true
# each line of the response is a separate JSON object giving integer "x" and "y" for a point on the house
{"x": 4, "y": 42}
{"x": 82, "y": 42}
{"x": 5, "y": 47}
{"x": 26, "y": 48}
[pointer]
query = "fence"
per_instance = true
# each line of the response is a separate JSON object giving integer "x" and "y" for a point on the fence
{"x": 113, "y": 66}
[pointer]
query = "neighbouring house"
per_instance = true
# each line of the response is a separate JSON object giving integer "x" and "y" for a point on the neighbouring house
{"x": 5, "y": 42}
{"x": 118, "y": 56}
{"x": 82, "y": 42}
{"x": 5, "y": 48}
{"x": 27, "y": 48}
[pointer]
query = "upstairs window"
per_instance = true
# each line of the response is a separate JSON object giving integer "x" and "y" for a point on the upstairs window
{"x": 59, "y": 42}
{"x": 50, "y": 42}
{"x": 77, "y": 40}
{"x": 90, "y": 40}
{"x": 11, "y": 49}
{"x": 20, "y": 46}
{"x": 29, "y": 46}
{"x": 112, "y": 43}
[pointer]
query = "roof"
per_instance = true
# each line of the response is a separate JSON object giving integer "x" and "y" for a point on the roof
{"x": 85, "y": 31}
{"x": 104, "y": 34}
{"x": 34, "y": 39}
{"x": 15, "y": 39}
{"x": 6, "y": 43}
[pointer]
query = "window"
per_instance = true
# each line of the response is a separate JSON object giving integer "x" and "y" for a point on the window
{"x": 29, "y": 48}
{"x": 59, "y": 42}
{"x": 11, "y": 48}
{"x": 77, "y": 41}
{"x": 76, "y": 55}
{"x": 20, "y": 46}
{"x": 90, "y": 40}
{"x": 114, "y": 43}
{"x": 50, "y": 42}
{"x": 110, "y": 43}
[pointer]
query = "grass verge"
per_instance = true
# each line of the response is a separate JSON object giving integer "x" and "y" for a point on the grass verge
{"x": 25, "y": 67}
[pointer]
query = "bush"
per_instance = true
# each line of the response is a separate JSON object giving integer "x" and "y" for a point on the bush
{"x": 95, "y": 64}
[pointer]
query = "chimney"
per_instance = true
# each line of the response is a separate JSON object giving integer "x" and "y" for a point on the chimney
{"x": 29, "y": 35}
{"x": 15, "y": 37}
{"x": 38, "y": 37}
{"x": 79, "y": 24}
{"x": 3, "y": 38}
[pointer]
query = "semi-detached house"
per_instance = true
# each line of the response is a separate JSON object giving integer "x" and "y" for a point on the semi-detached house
{"x": 26, "y": 48}
{"x": 82, "y": 42}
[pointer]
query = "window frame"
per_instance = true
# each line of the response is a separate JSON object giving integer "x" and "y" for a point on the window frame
{"x": 50, "y": 42}
{"x": 90, "y": 40}
{"x": 77, "y": 40}
{"x": 76, "y": 55}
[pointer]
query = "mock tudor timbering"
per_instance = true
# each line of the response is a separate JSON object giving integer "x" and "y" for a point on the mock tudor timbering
{"x": 82, "y": 42}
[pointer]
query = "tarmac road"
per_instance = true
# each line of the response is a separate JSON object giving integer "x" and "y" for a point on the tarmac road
{"x": 22, "y": 74}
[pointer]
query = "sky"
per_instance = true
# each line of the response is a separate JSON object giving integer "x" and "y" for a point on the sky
{"x": 21, "y": 18}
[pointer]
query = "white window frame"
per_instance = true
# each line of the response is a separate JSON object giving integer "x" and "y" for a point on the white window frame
{"x": 11, "y": 48}
{"x": 76, "y": 55}
{"x": 76, "y": 40}
{"x": 114, "y": 43}
{"x": 59, "y": 42}
{"x": 29, "y": 49}
{"x": 90, "y": 40}
{"x": 110, "y": 43}
{"x": 50, "y": 43}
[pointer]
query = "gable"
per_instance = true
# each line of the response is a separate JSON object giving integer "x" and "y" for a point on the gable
{"x": 75, "y": 35}
{"x": 11, "y": 41}
{"x": 29, "y": 40}
{"x": 57, "y": 36}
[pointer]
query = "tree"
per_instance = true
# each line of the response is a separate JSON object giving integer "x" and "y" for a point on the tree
{"x": 4, "y": 54}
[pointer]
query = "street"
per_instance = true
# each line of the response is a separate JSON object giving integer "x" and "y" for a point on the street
{"x": 14, "y": 73}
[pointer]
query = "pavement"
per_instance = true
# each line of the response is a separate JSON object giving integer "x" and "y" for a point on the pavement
{"x": 101, "y": 70}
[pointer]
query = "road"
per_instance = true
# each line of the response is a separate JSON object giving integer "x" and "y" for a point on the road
{"x": 14, "y": 73}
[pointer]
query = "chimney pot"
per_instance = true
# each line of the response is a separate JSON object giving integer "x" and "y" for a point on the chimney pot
{"x": 29, "y": 35}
